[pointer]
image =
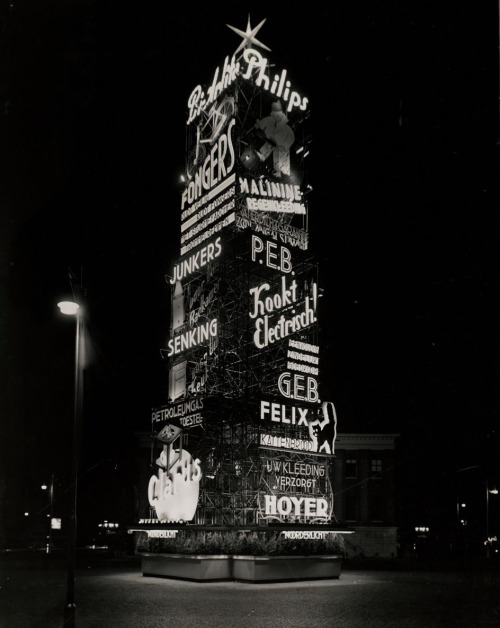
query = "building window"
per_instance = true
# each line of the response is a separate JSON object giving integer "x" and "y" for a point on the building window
{"x": 351, "y": 468}
{"x": 376, "y": 467}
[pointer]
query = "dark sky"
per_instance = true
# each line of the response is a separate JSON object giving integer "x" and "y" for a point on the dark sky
{"x": 403, "y": 215}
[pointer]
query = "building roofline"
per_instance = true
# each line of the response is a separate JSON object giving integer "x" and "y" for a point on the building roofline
{"x": 375, "y": 441}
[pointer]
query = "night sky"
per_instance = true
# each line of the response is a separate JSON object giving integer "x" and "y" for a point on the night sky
{"x": 403, "y": 217}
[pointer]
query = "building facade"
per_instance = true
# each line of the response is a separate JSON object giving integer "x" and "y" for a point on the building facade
{"x": 365, "y": 493}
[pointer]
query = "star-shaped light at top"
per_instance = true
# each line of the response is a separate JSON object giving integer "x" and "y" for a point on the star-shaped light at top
{"x": 249, "y": 38}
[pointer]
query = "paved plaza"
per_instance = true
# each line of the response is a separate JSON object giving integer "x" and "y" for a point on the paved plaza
{"x": 115, "y": 594}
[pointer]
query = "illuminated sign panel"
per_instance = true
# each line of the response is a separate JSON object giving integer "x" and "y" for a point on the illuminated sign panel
{"x": 194, "y": 331}
{"x": 305, "y": 534}
{"x": 199, "y": 335}
{"x": 302, "y": 357}
{"x": 207, "y": 215}
{"x": 253, "y": 67}
{"x": 162, "y": 534}
{"x": 295, "y": 488}
{"x": 286, "y": 443}
{"x": 223, "y": 139}
{"x": 218, "y": 163}
{"x": 173, "y": 492}
{"x": 213, "y": 225}
{"x": 272, "y": 196}
{"x": 188, "y": 413}
{"x": 266, "y": 303}
{"x": 307, "y": 507}
{"x": 318, "y": 433}
{"x": 196, "y": 261}
{"x": 281, "y": 413}
{"x": 271, "y": 254}
{"x": 270, "y": 226}
{"x": 207, "y": 202}
{"x": 293, "y": 475}
{"x": 301, "y": 387}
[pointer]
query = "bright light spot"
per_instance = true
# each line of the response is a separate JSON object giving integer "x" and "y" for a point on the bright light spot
{"x": 26, "y": 514}
{"x": 44, "y": 487}
{"x": 68, "y": 307}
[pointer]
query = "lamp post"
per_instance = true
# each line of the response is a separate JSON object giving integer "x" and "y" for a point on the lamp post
{"x": 51, "y": 503}
{"x": 73, "y": 309}
{"x": 493, "y": 491}
{"x": 460, "y": 521}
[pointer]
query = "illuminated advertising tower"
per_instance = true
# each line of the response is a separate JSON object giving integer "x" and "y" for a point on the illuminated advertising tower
{"x": 245, "y": 438}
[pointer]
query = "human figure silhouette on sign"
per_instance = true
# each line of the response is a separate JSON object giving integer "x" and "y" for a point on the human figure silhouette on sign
{"x": 323, "y": 430}
{"x": 279, "y": 138}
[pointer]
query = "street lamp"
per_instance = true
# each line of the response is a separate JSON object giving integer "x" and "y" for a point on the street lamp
{"x": 460, "y": 520}
{"x": 44, "y": 487}
{"x": 71, "y": 308}
{"x": 492, "y": 491}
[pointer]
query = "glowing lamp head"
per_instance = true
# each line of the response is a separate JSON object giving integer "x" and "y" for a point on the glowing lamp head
{"x": 68, "y": 307}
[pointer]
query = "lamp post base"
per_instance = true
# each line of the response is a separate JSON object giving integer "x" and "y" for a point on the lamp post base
{"x": 70, "y": 616}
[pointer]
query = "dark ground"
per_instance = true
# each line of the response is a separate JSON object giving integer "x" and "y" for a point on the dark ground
{"x": 113, "y": 592}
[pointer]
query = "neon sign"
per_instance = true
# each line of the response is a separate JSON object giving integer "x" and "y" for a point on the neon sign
{"x": 280, "y": 87}
{"x": 263, "y": 223}
{"x": 322, "y": 427}
{"x": 272, "y": 189}
{"x": 186, "y": 412}
{"x": 264, "y": 305}
{"x": 273, "y": 259}
{"x": 174, "y": 492}
{"x": 216, "y": 166}
{"x": 272, "y": 196}
{"x": 296, "y": 352}
{"x": 305, "y": 534}
{"x": 279, "y": 413}
{"x": 196, "y": 225}
{"x": 162, "y": 534}
{"x": 288, "y": 476}
{"x": 285, "y": 442}
{"x": 279, "y": 300}
{"x": 255, "y": 71}
{"x": 192, "y": 338}
{"x": 316, "y": 507}
{"x": 196, "y": 261}
{"x": 295, "y": 386}
{"x": 269, "y": 205}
